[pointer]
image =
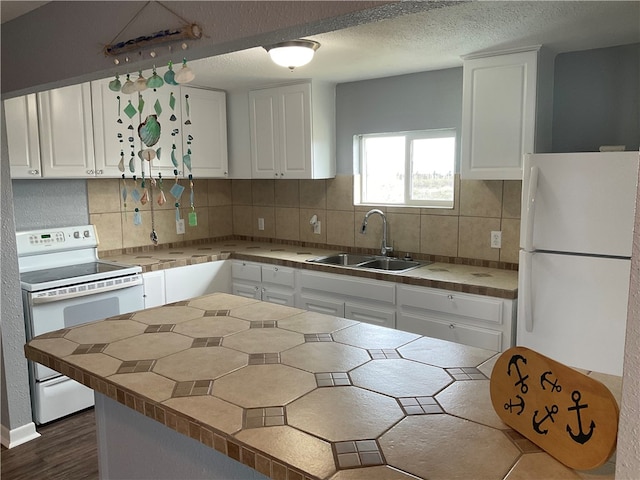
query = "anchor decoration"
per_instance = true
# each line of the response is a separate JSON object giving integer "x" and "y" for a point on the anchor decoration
{"x": 550, "y": 413}
{"x": 580, "y": 437}
{"x": 509, "y": 406}
{"x": 524, "y": 388}
{"x": 554, "y": 385}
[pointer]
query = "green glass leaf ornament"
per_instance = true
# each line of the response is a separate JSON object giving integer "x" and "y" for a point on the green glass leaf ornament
{"x": 140, "y": 104}
{"x": 149, "y": 131}
{"x": 121, "y": 162}
{"x": 158, "y": 152}
{"x": 169, "y": 76}
{"x": 157, "y": 107}
{"x": 172, "y": 101}
{"x": 132, "y": 165}
{"x": 130, "y": 110}
{"x": 186, "y": 159}
{"x": 174, "y": 160}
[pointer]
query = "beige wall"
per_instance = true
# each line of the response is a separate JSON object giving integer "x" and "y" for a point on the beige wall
{"x": 232, "y": 207}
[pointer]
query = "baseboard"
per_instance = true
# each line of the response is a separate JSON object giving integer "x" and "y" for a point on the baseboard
{"x": 18, "y": 436}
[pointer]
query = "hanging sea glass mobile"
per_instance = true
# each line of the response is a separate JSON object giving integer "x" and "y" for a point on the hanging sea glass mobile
{"x": 162, "y": 199}
{"x": 193, "y": 218}
{"x": 124, "y": 196}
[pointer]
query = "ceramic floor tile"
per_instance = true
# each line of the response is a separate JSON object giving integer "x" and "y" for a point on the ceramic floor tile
{"x": 293, "y": 447}
{"x": 220, "y": 301}
{"x": 264, "y": 311}
{"x": 263, "y": 385}
{"x": 449, "y": 448}
{"x": 345, "y": 413}
{"x": 149, "y": 384}
{"x": 369, "y": 336}
{"x": 373, "y": 473}
{"x": 417, "y": 379}
{"x": 209, "y": 410}
{"x": 97, "y": 363}
{"x": 455, "y": 399}
{"x": 263, "y": 340}
{"x": 105, "y": 332}
{"x": 445, "y": 354}
{"x": 487, "y": 367}
{"x": 167, "y": 314}
{"x": 325, "y": 357}
{"x": 211, "y": 326}
{"x": 148, "y": 346}
{"x": 534, "y": 466}
{"x": 613, "y": 383}
{"x": 312, "y": 322}
{"x": 211, "y": 363}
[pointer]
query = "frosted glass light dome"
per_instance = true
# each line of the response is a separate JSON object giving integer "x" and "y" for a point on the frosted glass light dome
{"x": 292, "y": 54}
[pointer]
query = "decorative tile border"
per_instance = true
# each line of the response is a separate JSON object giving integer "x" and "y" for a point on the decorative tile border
{"x": 264, "y": 324}
{"x": 192, "y": 388}
{"x": 136, "y": 366}
{"x": 217, "y": 313}
{"x": 332, "y": 379}
{"x": 466, "y": 373}
{"x": 264, "y": 358}
{"x": 164, "y": 328}
{"x": 264, "y": 417}
{"x": 317, "y": 337}
{"x": 378, "y": 354}
{"x": 206, "y": 342}
{"x": 358, "y": 453}
{"x": 90, "y": 348}
{"x": 420, "y": 405}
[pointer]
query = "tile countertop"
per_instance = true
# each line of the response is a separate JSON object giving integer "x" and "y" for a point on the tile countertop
{"x": 449, "y": 276}
{"x": 296, "y": 394}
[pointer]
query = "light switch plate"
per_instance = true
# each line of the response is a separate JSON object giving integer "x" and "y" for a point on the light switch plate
{"x": 180, "y": 226}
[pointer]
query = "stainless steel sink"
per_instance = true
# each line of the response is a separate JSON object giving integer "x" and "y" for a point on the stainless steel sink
{"x": 346, "y": 259}
{"x": 390, "y": 264}
{"x": 368, "y": 262}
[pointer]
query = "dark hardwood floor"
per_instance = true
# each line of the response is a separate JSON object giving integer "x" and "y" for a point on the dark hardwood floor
{"x": 66, "y": 449}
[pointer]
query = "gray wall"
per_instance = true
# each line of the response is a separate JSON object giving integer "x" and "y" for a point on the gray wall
{"x": 50, "y": 203}
{"x": 418, "y": 101}
{"x": 596, "y": 99}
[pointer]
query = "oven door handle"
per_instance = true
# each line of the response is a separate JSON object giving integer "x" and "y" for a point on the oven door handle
{"x": 35, "y": 300}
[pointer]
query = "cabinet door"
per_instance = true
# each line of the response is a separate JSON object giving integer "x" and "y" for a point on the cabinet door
{"x": 498, "y": 115}
{"x": 23, "y": 141}
{"x": 208, "y": 117}
{"x": 153, "y": 283}
{"x": 326, "y": 305}
{"x": 263, "y": 122}
{"x": 295, "y": 131}
{"x": 377, "y": 316}
{"x": 66, "y": 132}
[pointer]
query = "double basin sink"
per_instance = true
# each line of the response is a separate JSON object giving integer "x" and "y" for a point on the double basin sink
{"x": 369, "y": 262}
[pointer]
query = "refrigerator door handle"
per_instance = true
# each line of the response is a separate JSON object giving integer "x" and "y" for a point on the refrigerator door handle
{"x": 530, "y": 207}
{"x": 524, "y": 295}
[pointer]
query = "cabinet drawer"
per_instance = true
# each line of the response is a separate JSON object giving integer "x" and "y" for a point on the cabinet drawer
{"x": 278, "y": 275}
{"x": 325, "y": 305}
{"x": 343, "y": 285}
{"x": 246, "y": 271}
{"x": 481, "y": 308}
{"x": 377, "y": 316}
{"x": 453, "y": 332}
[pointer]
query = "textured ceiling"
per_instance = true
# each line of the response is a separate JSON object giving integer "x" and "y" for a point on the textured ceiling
{"x": 435, "y": 39}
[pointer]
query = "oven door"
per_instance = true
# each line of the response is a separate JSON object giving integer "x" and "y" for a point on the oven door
{"x": 44, "y": 317}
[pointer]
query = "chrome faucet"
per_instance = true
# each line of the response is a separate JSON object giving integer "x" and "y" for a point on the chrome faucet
{"x": 384, "y": 248}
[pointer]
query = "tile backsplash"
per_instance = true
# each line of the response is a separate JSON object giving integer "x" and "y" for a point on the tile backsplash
{"x": 233, "y": 207}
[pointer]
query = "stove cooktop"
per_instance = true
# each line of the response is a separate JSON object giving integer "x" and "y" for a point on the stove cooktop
{"x": 72, "y": 274}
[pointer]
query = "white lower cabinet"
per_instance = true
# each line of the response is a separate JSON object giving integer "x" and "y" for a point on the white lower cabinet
{"x": 183, "y": 283}
{"x": 270, "y": 283}
{"x": 476, "y": 320}
{"x": 355, "y": 298}
{"x": 153, "y": 288}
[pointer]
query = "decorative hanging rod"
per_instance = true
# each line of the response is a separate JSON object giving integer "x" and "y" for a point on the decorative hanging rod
{"x": 192, "y": 31}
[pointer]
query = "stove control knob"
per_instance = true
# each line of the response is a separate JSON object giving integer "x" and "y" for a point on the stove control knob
{"x": 76, "y": 234}
{"x": 87, "y": 234}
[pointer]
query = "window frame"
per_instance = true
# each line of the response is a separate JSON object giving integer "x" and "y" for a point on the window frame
{"x": 409, "y": 137}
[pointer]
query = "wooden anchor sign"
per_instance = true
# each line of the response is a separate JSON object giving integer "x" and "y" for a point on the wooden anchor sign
{"x": 571, "y": 416}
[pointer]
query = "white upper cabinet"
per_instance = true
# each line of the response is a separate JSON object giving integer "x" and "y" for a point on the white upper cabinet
{"x": 293, "y": 131}
{"x": 66, "y": 132}
{"x": 208, "y": 127}
{"x": 499, "y": 113}
{"x": 23, "y": 139}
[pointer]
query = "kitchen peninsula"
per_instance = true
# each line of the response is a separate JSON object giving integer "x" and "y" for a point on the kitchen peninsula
{"x": 287, "y": 394}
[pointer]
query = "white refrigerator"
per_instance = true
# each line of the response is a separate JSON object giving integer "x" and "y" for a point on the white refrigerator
{"x": 576, "y": 238}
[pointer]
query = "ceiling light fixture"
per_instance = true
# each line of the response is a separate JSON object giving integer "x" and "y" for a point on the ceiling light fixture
{"x": 293, "y": 53}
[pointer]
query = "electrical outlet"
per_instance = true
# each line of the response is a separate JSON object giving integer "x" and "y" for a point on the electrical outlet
{"x": 496, "y": 239}
{"x": 316, "y": 228}
{"x": 261, "y": 224}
